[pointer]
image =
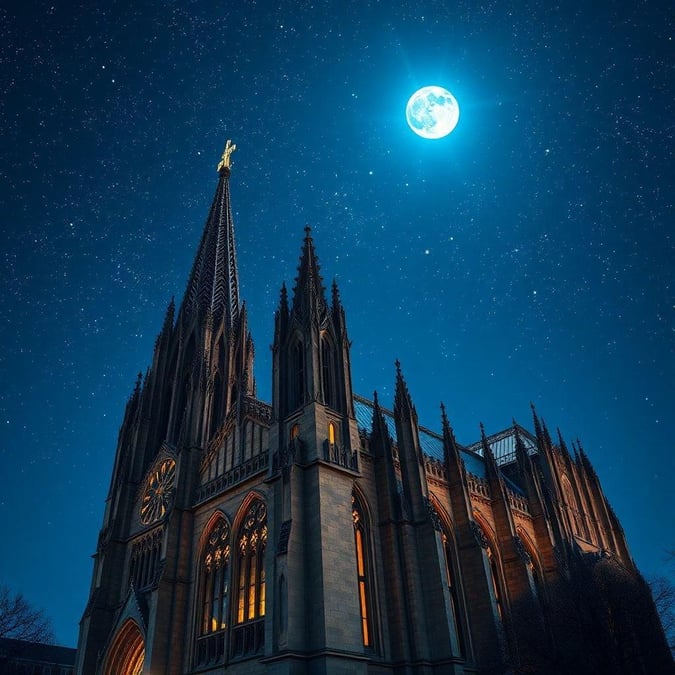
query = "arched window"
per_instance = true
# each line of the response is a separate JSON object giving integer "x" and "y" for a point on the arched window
{"x": 363, "y": 572}
{"x": 526, "y": 550}
{"x": 127, "y": 652}
{"x": 217, "y": 406}
{"x": 251, "y": 544}
{"x": 328, "y": 371}
{"x": 492, "y": 567}
{"x": 295, "y": 431}
{"x": 453, "y": 588}
{"x": 297, "y": 378}
{"x": 214, "y": 593}
{"x": 494, "y": 579}
{"x": 183, "y": 387}
{"x": 331, "y": 433}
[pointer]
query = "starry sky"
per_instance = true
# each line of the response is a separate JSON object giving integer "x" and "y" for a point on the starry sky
{"x": 526, "y": 257}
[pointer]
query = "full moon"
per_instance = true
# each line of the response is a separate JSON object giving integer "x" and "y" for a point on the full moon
{"x": 432, "y": 112}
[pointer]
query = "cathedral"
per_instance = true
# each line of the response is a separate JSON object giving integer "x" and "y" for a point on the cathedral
{"x": 328, "y": 533}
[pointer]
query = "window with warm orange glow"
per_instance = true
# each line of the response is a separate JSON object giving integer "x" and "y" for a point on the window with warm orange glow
{"x": 331, "y": 433}
{"x": 251, "y": 550}
{"x": 295, "y": 431}
{"x": 215, "y": 578}
{"x": 363, "y": 568}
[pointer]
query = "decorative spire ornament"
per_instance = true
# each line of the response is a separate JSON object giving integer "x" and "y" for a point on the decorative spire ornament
{"x": 225, "y": 161}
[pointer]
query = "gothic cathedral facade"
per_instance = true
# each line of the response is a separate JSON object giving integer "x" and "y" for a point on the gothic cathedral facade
{"x": 325, "y": 533}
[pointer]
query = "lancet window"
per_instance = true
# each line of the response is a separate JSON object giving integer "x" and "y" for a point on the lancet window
{"x": 217, "y": 405}
{"x": 494, "y": 580}
{"x": 250, "y": 607}
{"x": 328, "y": 372}
{"x": 363, "y": 572}
{"x": 453, "y": 589}
{"x": 216, "y": 578}
{"x": 214, "y": 593}
{"x": 145, "y": 559}
{"x": 297, "y": 379}
{"x": 496, "y": 585}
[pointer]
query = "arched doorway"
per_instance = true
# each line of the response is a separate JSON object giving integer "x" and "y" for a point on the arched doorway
{"x": 127, "y": 652}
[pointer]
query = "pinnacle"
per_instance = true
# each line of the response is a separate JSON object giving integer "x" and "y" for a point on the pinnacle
{"x": 309, "y": 284}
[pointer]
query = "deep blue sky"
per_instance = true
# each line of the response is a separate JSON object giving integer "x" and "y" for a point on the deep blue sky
{"x": 526, "y": 257}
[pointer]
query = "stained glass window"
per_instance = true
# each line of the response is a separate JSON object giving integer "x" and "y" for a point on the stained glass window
{"x": 215, "y": 579}
{"x": 251, "y": 550}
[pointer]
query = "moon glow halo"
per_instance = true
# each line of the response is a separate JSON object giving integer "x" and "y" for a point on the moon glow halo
{"x": 432, "y": 112}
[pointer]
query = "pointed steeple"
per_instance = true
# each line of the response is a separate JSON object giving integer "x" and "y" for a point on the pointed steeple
{"x": 213, "y": 287}
{"x": 308, "y": 294}
{"x": 402, "y": 400}
{"x": 537, "y": 424}
{"x": 380, "y": 432}
{"x": 563, "y": 446}
{"x": 450, "y": 449}
{"x": 546, "y": 435}
{"x": 585, "y": 461}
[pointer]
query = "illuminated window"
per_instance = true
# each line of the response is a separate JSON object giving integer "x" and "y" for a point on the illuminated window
{"x": 331, "y": 433}
{"x": 295, "y": 431}
{"x": 363, "y": 572}
{"x": 215, "y": 578}
{"x": 251, "y": 551}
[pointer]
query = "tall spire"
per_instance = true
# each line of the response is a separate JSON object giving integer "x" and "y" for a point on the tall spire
{"x": 213, "y": 287}
{"x": 308, "y": 294}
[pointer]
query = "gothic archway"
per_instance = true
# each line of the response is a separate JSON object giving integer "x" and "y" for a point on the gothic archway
{"x": 127, "y": 652}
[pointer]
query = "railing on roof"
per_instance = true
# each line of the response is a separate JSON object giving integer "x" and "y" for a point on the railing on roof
{"x": 517, "y": 502}
{"x": 503, "y": 445}
{"x": 236, "y": 475}
{"x": 257, "y": 409}
{"x": 338, "y": 454}
{"x": 435, "y": 467}
{"x": 479, "y": 486}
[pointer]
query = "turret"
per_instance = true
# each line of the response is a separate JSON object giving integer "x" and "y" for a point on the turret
{"x": 312, "y": 372}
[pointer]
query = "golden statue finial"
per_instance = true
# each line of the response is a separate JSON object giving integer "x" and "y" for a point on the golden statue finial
{"x": 230, "y": 147}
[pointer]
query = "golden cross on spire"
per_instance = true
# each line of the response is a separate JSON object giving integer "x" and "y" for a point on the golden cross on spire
{"x": 230, "y": 147}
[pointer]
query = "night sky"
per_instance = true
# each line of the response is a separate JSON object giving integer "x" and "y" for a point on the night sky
{"x": 528, "y": 256}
